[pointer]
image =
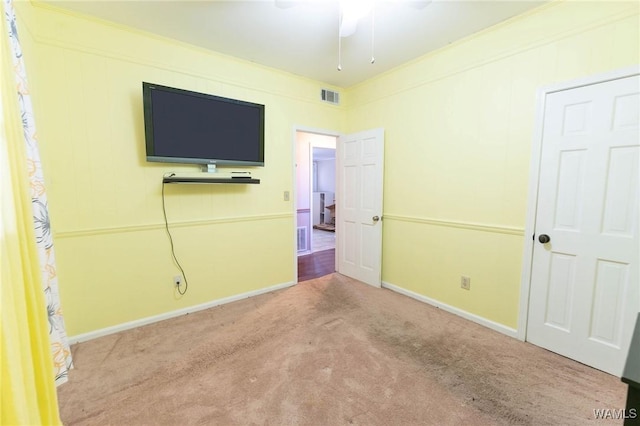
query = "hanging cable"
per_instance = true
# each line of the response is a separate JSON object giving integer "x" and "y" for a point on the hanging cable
{"x": 173, "y": 251}
{"x": 339, "y": 54}
{"x": 339, "y": 40}
{"x": 373, "y": 21}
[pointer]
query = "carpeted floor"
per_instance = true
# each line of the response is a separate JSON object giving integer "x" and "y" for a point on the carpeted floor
{"x": 330, "y": 351}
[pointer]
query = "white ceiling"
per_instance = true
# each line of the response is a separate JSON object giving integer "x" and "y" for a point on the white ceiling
{"x": 301, "y": 37}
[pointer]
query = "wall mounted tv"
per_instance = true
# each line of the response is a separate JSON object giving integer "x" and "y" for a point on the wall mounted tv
{"x": 182, "y": 126}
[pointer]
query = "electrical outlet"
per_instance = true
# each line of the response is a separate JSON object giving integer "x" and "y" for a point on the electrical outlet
{"x": 177, "y": 280}
{"x": 465, "y": 282}
{"x": 286, "y": 195}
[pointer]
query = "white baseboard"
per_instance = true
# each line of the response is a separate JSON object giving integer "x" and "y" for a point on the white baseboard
{"x": 149, "y": 320}
{"x": 464, "y": 314}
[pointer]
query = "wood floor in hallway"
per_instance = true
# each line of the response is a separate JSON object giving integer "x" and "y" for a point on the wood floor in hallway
{"x": 316, "y": 265}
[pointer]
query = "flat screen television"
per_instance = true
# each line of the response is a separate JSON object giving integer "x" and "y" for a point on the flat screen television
{"x": 182, "y": 126}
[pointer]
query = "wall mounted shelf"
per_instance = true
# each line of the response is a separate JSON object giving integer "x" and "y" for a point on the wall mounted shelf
{"x": 204, "y": 178}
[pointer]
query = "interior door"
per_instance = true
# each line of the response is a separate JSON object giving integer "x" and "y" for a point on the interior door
{"x": 359, "y": 173}
{"x": 585, "y": 294}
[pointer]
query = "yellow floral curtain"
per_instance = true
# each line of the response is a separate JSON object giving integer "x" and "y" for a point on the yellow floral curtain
{"x": 40, "y": 211}
{"x": 27, "y": 378}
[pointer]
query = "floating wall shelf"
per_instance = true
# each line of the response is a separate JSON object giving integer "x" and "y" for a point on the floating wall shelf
{"x": 204, "y": 178}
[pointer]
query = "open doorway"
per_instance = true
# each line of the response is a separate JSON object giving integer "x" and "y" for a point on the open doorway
{"x": 323, "y": 200}
{"x": 358, "y": 198}
{"x": 315, "y": 203}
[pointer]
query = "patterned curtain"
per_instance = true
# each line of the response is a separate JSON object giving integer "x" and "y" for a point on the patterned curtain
{"x": 58, "y": 337}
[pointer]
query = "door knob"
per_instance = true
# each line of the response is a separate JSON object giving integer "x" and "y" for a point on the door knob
{"x": 375, "y": 218}
{"x": 544, "y": 238}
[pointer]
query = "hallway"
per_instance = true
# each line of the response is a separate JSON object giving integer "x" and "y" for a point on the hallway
{"x": 323, "y": 240}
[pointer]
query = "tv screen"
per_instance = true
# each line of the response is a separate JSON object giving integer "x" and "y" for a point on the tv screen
{"x": 182, "y": 126}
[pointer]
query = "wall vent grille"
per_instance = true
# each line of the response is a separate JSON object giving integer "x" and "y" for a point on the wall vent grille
{"x": 330, "y": 96}
{"x": 302, "y": 238}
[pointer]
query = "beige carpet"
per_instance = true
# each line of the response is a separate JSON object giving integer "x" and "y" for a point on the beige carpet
{"x": 330, "y": 351}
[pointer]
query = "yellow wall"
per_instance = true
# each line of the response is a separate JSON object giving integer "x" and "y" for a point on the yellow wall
{"x": 114, "y": 261}
{"x": 458, "y": 131}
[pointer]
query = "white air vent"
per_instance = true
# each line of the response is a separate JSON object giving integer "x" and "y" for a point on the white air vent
{"x": 302, "y": 238}
{"x": 330, "y": 96}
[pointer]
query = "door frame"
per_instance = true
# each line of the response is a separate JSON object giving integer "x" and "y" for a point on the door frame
{"x": 534, "y": 177}
{"x": 294, "y": 192}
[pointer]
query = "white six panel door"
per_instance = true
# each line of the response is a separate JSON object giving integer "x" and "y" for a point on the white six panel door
{"x": 359, "y": 205}
{"x": 585, "y": 283}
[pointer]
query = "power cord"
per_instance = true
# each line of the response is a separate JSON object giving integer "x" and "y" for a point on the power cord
{"x": 173, "y": 252}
